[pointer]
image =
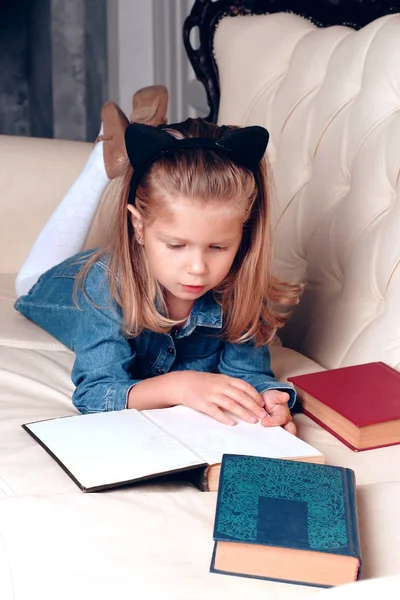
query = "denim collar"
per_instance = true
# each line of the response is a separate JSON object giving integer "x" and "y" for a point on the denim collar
{"x": 206, "y": 312}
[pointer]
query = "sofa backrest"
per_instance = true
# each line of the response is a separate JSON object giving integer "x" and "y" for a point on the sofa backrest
{"x": 330, "y": 98}
{"x": 35, "y": 174}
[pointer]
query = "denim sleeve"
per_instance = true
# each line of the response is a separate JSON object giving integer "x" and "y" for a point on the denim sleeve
{"x": 253, "y": 365}
{"x": 103, "y": 355}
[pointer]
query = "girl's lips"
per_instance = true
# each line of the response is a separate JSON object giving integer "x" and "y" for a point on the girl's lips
{"x": 193, "y": 288}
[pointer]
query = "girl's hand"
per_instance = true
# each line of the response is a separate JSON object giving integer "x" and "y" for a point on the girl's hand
{"x": 276, "y": 405}
{"x": 216, "y": 395}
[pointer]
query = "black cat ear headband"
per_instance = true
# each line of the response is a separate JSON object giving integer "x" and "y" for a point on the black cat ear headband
{"x": 146, "y": 144}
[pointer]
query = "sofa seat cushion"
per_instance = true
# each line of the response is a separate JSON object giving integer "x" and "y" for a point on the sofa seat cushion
{"x": 148, "y": 540}
{"x": 36, "y": 385}
{"x": 153, "y": 542}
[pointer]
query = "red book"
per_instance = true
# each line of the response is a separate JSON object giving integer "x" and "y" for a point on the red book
{"x": 360, "y": 404}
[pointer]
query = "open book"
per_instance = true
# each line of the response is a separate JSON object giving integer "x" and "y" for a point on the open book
{"x": 105, "y": 450}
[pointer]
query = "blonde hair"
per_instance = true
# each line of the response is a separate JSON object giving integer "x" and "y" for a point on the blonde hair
{"x": 254, "y": 302}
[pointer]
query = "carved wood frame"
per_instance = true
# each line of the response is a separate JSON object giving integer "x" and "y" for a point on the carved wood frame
{"x": 206, "y": 14}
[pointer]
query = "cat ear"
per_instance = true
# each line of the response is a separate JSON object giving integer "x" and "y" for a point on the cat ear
{"x": 144, "y": 143}
{"x": 246, "y": 145}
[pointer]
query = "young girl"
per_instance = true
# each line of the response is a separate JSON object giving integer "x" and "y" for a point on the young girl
{"x": 179, "y": 305}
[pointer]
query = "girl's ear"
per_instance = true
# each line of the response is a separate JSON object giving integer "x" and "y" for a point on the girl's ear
{"x": 137, "y": 222}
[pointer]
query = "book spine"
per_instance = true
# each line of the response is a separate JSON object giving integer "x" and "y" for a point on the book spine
{"x": 199, "y": 478}
{"x": 350, "y": 500}
{"x": 329, "y": 430}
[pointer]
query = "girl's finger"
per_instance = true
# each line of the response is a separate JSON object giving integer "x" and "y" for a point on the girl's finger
{"x": 219, "y": 415}
{"x": 275, "y": 420}
{"x": 241, "y": 398}
{"x": 229, "y": 404}
{"x": 247, "y": 388}
{"x": 290, "y": 427}
{"x": 278, "y": 397}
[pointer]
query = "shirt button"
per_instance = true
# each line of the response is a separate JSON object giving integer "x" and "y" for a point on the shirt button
{"x": 171, "y": 350}
{"x": 160, "y": 371}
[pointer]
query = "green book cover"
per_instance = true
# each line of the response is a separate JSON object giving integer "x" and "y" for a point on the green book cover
{"x": 287, "y": 504}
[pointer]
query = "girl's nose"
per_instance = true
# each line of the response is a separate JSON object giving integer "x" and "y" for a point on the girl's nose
{"x": 197, "y": 265}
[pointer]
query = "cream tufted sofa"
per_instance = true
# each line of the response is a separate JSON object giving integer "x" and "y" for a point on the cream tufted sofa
{"x": 330, "y": 99}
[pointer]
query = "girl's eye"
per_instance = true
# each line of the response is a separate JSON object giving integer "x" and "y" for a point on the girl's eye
{"x": 175, "y": 246}
{"x": 218, "y": 248}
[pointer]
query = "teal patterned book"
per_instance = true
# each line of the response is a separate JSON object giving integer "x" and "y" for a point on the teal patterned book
{"x": 286, "y": 520}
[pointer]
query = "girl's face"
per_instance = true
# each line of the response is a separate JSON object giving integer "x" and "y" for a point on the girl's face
{"x": 190, "y": 250}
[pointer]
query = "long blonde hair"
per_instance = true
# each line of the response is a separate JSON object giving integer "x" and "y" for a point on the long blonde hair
{"x": 255, "y": 303}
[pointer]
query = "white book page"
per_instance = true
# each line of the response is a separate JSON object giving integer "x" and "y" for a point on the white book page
{"x": 210, "y": 439}
{"x": 113, "y": 447}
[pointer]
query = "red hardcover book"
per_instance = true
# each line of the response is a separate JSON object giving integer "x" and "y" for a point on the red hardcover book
{"x": 360, "y": 404}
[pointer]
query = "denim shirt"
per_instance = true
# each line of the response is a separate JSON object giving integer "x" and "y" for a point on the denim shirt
{"x": 108, "y": 363}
